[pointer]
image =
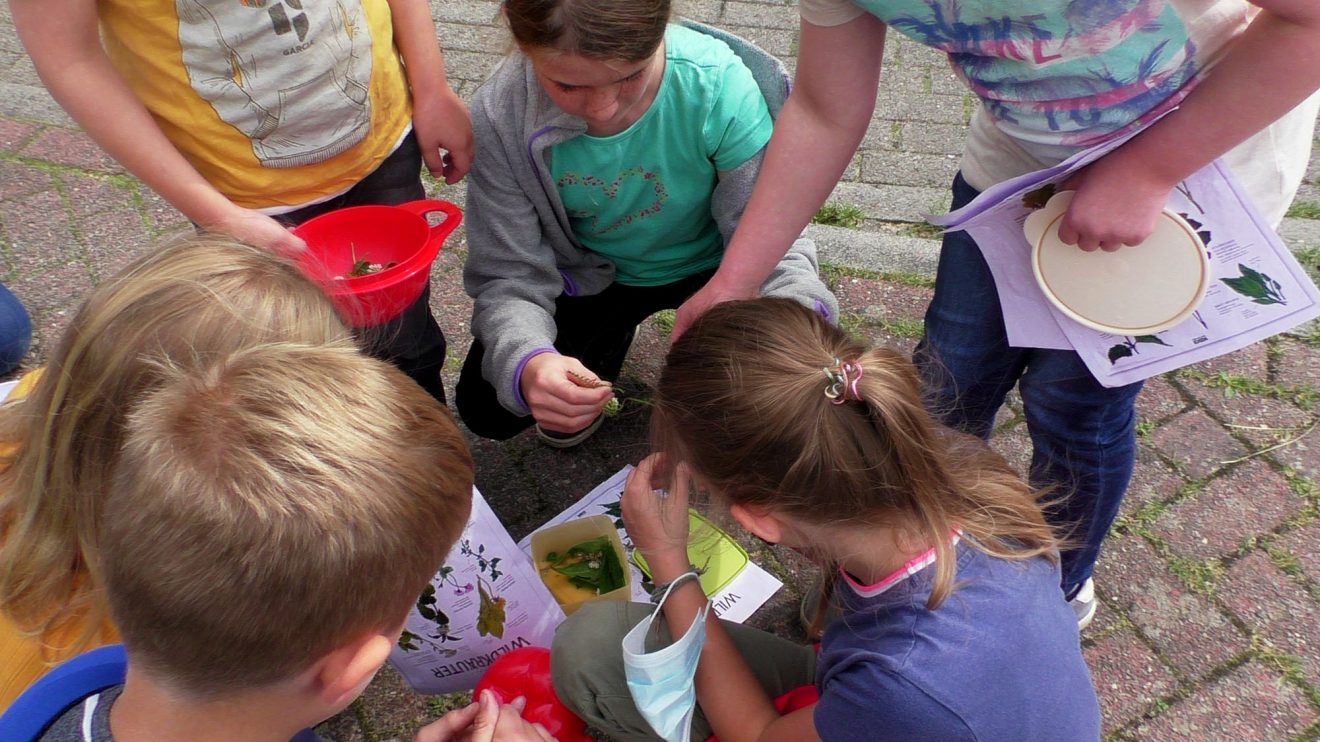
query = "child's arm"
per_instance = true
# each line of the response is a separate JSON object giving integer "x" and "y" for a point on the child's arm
{"x": 439, "y": 116}
{"x": 1271, "y": 67}
{"x": 63, "y": 40}
{"x": 732, "y": 699}
{"x": 814, "y": 138}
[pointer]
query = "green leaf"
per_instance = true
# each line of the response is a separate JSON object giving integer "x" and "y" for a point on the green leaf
{"x": 491, "y": 614}
{"x": 1038, "y": 198}
{"x": 1119, "y": 351}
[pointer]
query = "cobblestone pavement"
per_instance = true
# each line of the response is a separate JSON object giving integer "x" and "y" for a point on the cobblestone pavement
{"x": 1210, "y": 586}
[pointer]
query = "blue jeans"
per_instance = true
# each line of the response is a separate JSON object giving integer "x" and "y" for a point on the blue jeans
{"x": 15, "y": 331}
{"x": 1083, "y": 435}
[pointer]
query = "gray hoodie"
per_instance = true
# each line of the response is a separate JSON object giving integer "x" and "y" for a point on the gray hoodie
{"x": 521, "y": 251}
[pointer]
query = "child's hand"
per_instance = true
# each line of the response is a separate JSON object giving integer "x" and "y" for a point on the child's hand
{"x": 1115, "y": 205}
{"x": 484, "y": 720}
{"x": 255, "y": 228}
{"x": 655, "y": 512}
{"x": 556, "y": 401}
{"x": 442, "y": 123}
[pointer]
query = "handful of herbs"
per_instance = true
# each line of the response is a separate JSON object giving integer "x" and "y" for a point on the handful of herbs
{"x": 591, "y": 564}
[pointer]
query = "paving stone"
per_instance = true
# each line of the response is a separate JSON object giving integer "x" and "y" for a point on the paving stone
{"x": 39, "y": 234}
{"x": 114, "y": 239}
{"x": 70, "y": 147}
{"x": 781, "y": 42}
{"x": 1158, "y": 400}
{"x": 909, "y": 169}
{"x": 1152, "y": 481}
{"x": 1298, "y": 365}
{"x": 89, "y": 195}
{"x": 17, "y": 179}
{"x": 471, "y": 11}
{"x": 1249, "y": 501}
{"x": 1304, "y": 543}
{"x": 1128, "y": 677}
{"x": 1288, "y": 618}
{"x": 1187, "y": 630}
{"x": 32, "y": 103}
{"x": 768, "y": 16}
{"x": 13, "y": 133}
{"x": 478, "y": 39}
{"x": 1251, "y": 361}
{"x": 1196, "y": 443}
{"x": 1262, "y": 421}
{"x": 1015, "y": 446}
{"x": 881, "y": 300}
{"x": 1250, "y": 703}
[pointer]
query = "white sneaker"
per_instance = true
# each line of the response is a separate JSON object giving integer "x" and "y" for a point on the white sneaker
{"x": 555, "y": 439}
{"x": 1084, "y": 604}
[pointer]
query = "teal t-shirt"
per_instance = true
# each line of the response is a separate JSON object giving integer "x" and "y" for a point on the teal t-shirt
{"x": 642, "y": 197}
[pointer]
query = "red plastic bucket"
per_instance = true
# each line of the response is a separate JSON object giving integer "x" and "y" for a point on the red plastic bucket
{"x": 396, "y": 236}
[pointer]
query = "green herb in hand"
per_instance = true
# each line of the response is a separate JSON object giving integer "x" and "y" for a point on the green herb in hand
{"x": 591, "y": 564}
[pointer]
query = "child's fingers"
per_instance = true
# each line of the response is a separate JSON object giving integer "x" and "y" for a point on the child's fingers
{"x": 451, "y": 726}
{"x": 488, "y": 715}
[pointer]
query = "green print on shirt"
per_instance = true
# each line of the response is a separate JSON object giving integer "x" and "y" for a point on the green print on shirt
{"x": 611, "y": 193}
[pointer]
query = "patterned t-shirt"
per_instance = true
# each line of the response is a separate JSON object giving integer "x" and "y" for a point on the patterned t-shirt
{"x": 642, "y": 197}
{"x": 1057, "y": 76}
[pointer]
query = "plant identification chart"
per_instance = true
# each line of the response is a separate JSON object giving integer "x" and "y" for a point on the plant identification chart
{"x": 1256, "y": 287}
{"x": 487, "y": 600}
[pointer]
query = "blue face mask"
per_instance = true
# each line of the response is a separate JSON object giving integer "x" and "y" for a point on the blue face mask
{"x": 661, "y": 682}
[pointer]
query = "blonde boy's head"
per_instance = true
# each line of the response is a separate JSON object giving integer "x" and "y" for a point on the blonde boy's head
{"x": 272, "y": 506}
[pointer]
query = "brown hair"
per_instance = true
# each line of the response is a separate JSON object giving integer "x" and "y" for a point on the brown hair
{"x": 272, "y": 506}
{"x": 742, "y": 400}
{"x": 201, "y": 296}
{"x": 625, "y": 30}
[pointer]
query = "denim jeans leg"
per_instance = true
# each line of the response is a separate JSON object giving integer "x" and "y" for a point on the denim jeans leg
{"x": 966, "y": 364}
{"x": 1083, "y": 438}
{"x": 15, "y": 331}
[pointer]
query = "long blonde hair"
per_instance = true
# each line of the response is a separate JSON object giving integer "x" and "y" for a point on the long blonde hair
{"x": 196, "y": 297}
{"x": 742, "y": 400}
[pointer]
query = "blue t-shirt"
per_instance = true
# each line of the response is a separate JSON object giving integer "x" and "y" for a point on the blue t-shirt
{"x": 642, "y": 197}
{"x": 999, "y": 660}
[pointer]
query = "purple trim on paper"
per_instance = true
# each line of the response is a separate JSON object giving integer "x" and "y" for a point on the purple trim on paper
{"x": 517, "y": 374}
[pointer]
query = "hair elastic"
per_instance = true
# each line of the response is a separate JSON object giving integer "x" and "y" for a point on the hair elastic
{"x": 843, "y": 380}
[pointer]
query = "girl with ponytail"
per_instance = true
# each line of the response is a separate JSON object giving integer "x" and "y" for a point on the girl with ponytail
{"x": 947, "y": 618}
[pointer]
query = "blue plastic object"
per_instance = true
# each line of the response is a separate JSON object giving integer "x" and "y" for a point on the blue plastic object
{"x": 43, "y": 702}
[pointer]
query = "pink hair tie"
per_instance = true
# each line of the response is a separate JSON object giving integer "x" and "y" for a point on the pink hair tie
{"x": 843, "y": 380}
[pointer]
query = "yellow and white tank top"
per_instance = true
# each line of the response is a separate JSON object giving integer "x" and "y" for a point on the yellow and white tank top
{"x": 278, "y": 103}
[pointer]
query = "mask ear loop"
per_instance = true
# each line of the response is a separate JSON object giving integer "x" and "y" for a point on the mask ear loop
{"x": 661, "y": 593}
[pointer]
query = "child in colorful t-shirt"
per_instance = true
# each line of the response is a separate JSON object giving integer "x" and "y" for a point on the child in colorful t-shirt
{"x": 1209, "y": 78}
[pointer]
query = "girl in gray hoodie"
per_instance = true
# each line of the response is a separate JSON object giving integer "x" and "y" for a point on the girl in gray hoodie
{"x": 615, "y": 154}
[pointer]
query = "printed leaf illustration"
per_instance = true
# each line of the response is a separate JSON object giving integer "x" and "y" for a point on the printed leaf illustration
{"x": 1128, "y": 347}
{"x": 1038, "y": 198}
{"x": 426, "y": 604}
{"x": 1257, "y": 286}
{"x": 1118, "y": 352}
{"x": 490, "y": 616}
{"x": 615, "y": 511}
{"x": 408, "y": 641}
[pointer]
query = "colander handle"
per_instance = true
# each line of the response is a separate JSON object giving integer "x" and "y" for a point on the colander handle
{"x": 422, "y": 207}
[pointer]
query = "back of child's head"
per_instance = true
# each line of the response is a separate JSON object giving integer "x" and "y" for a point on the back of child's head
{"x": 622, "y": 30}
{"x": 199, "y": 297}
{"x": 743, "y": 400}
{"x": 271, "y": 507}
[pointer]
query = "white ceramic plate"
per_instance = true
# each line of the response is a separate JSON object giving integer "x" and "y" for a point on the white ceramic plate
{"x": 1137, "y": 290}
